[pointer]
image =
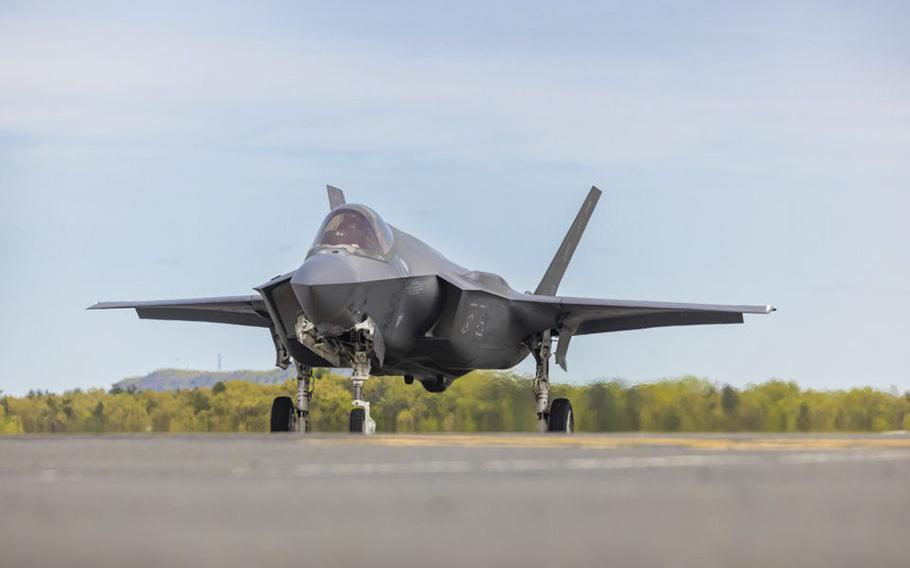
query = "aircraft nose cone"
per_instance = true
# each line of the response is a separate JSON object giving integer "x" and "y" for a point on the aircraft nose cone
{"x": 326, "y": 269}
{"x": 323, "y": 286}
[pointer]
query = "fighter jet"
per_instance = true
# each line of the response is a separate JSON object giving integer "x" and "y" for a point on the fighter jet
{"x": 379, "y": 301}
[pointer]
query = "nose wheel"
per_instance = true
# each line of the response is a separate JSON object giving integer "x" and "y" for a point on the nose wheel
{"x": 360, "y": 422}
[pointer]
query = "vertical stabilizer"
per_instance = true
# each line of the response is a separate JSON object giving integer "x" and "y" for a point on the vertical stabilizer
{"x": 336, "y": 196}
{"x": 557, "y": 269}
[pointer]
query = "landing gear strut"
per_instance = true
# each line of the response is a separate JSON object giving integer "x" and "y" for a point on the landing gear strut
{"x": 305, "y": 387}
{"x": 558, "y": 416}
{"x": 360, "y": 422}
{"x": 288, "y": 417}
{"x": 542, "y": 353}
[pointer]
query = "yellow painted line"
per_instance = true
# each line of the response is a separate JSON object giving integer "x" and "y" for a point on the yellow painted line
{"x": 617, "y": 441}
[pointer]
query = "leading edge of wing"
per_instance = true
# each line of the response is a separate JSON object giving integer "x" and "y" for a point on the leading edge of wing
{"x": 572, "y": 302}
{"x": 228, "y": 302}
{"x": 238, "y": 310}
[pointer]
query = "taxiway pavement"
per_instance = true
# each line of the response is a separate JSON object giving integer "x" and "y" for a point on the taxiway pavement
{"x": 450, "y": 500}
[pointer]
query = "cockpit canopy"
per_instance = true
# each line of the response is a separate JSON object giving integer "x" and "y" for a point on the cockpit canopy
{"x": 357, "y": 229}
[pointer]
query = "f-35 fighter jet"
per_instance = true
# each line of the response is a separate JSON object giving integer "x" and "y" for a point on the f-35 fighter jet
{"x": 375, "y": 299}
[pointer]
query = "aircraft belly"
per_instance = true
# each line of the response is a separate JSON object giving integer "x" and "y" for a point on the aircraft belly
{"x": 401, "y": 308}
{"x": 474, "y": 331}
{"x": 424, "y": 325}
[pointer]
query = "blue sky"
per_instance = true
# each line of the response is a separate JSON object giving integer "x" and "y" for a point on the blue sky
{"x": 749, "y": 153}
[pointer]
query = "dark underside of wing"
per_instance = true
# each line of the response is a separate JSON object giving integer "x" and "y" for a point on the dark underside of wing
{"x": 611, "y": 322}
{"x": 594, "y": 319}
{"x": 235, "y": 310}
{"x": 583, "y": 316}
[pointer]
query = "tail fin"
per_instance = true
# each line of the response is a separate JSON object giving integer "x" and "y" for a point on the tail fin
{"x": 557, "y": 269}
{"x": 336, "y": 196}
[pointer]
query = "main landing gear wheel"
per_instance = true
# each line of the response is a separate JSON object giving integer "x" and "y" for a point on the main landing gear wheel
{"x": 556, "y": 416}
{"x": 562, "y": 419}
{"x": 358, "y": 417}
{"x": 283, "y": 414}
{"x": 289, "y": 417}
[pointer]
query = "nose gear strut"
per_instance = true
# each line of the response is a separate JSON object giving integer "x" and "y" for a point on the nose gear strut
{"x": 361, "y": 422}
{"x": 305, "y": 387}
{"x": 364, "y": 347}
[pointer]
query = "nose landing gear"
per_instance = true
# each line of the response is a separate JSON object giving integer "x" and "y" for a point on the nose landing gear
{"x": 360, "y": 422}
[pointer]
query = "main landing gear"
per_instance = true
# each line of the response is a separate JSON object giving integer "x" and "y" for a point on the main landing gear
{"x": 286, "y": 417}
{"x": 556, "y": 416}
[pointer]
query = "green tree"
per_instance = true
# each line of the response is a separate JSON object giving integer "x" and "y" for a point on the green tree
{"x": 729, "y": 399}
{"x": 480, "y": 401}
{"x": 803, "y": 420}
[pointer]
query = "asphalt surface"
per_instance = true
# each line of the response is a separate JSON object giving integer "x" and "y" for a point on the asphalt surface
{"x": 455, "y": 501}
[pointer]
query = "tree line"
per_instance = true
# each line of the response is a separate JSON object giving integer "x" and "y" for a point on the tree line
{"x": 479, "y": 402}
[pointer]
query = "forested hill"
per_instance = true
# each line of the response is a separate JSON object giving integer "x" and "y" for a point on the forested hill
{"x": 175, "y": 379}
{"x": 481, "y": 401}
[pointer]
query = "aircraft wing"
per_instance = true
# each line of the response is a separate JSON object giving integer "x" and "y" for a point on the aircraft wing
{"x": 581, "y": 316}
{"x": 236, "y": 310}
{"x": 598, "y": 316}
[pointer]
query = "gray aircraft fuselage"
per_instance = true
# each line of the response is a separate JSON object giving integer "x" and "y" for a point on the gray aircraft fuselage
{"x": 435, "y": 317}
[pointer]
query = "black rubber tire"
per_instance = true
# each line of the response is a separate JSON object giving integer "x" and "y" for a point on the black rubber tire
{"x": 562, "y": 419}
{"x": 358, "y": 416}
{"x": 282, "y": 408}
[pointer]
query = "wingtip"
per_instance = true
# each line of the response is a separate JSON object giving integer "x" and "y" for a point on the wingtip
{"x": 769, "y": 309}
{"x": 597, "y": 190}
{"x": 103, "y": 306}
